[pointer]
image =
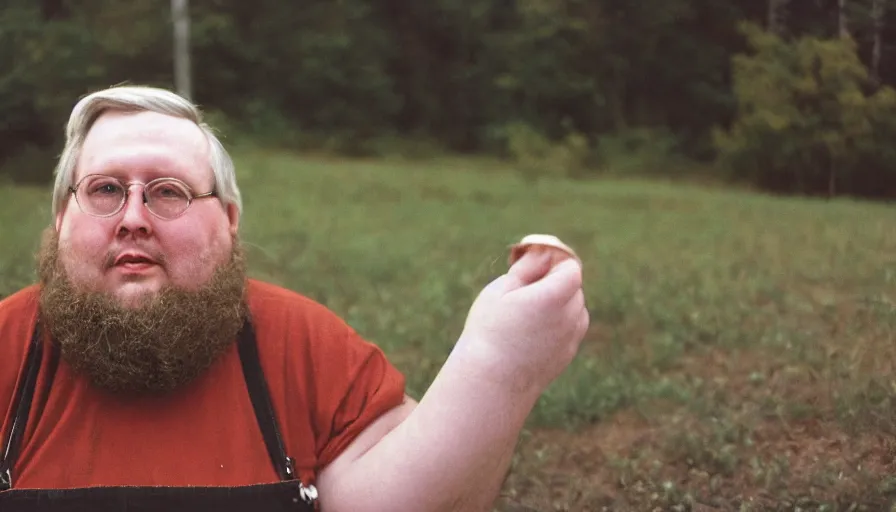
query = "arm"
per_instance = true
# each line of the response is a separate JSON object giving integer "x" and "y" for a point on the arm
{"x": 450, "y": 452}
{"x": 453, "y": 449}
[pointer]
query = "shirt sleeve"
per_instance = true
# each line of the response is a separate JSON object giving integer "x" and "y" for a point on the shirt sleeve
{"x": 361, "y": 387}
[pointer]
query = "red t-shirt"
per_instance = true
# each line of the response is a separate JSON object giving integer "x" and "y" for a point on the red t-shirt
{"x": 326, "y": 383}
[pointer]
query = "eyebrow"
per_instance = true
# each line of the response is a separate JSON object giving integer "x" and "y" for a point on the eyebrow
{"x": 158, "y": 167}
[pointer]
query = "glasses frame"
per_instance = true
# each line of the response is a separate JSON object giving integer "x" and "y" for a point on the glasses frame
{"x": 126, "y": 185}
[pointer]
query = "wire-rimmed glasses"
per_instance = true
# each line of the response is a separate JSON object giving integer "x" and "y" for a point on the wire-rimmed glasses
{"x": 104, "y": 196}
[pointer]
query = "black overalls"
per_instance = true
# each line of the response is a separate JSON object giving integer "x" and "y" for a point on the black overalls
{"x": 290, "y": 494}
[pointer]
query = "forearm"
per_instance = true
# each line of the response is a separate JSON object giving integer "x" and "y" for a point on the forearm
{"x": 451, "y": 453}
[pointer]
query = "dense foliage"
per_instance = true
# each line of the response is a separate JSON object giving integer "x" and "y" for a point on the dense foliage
{"x": 808, "y": 121}
{"x": 804, "y": 109}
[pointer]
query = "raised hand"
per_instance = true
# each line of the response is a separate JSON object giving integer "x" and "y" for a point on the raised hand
{"x": 526, "y": 326}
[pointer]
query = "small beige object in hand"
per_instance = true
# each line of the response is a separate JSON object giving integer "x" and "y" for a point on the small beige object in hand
{"x": 559, "y": 251}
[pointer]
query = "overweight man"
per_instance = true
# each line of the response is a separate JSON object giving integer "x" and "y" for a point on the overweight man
{"x": 145, "y": 370}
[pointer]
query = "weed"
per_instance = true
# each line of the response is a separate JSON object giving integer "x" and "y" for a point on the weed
{"x": 742, "y": 346}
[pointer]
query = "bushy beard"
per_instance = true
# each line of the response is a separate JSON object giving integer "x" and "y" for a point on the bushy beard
{"x": 157, "y": 346}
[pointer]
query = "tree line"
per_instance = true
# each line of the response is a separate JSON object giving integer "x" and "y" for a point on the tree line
{"x": 793, "y": 96}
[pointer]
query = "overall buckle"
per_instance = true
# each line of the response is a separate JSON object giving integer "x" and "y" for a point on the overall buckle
{"x": 5, "y": 480}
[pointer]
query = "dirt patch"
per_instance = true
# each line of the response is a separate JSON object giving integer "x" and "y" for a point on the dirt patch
{"x": 561, "y": 470}
{"x": 627, "y": 463}
{"x": 761, "y": 433}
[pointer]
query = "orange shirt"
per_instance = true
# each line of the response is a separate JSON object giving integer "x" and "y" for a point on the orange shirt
{"x": 326, "y": 383}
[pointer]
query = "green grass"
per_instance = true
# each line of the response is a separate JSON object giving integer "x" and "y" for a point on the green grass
{"x": 724, "y": 324}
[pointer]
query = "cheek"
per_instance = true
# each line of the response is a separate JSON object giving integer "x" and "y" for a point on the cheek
{"x": 193, "y": 253}
{"x": 83, "y": 250}
{"x": 85, "y": 241}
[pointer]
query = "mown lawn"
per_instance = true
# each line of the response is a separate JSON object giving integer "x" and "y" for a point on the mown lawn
{"x": 743, "y": 348}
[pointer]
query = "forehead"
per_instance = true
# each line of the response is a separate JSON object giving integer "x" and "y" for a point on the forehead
{"x": 144, "y": 145}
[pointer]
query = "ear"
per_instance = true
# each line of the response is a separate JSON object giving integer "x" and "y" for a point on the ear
{"x": 233, "y": 217}
{"x": 63, "y": 208}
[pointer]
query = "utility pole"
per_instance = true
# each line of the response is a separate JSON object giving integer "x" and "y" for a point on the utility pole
{"x": 180, "y": 15}
{"x": 878, "y": 13}
{"x": 777, "y": 16}
{"x": 842, "y": 23}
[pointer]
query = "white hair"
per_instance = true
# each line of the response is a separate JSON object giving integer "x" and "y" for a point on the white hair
{"x": 136, "y": 98}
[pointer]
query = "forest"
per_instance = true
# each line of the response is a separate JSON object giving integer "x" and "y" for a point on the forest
{"x": 787, "y": 96}
{"x": 724, "y": 168}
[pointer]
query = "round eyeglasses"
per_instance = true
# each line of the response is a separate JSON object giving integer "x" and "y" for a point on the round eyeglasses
{"x": 105, "y": 196}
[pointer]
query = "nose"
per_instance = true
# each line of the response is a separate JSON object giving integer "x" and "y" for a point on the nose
{"x": 135, "y": 217}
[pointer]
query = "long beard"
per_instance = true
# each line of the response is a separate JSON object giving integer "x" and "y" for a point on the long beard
{"x": 156, "y": 347}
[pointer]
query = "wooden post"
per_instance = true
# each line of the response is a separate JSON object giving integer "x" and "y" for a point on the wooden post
{"x": 842, "y": 23}
{"x": 777, "y": 14}
{"x": 180, "y": 15}
{"x": 878, "y": 13}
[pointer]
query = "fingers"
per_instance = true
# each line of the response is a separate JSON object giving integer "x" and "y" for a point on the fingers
{"x": 575, "y": 308}
{"x": 531, "y": 267}
{"x": 559, "y": 286}
{"x": 584, "y": 321}
{"x": 577, "y": 302}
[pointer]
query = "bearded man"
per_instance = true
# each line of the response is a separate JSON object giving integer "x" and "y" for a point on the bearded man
{"x": 146, "y": 371}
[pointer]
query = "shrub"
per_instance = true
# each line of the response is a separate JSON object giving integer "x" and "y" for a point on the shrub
{"x": 807, "y": 122}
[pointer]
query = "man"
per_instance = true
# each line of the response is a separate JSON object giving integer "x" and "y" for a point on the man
{"x": 145, "y": 371}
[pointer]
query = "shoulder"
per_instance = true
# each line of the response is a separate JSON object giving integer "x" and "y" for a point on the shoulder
{"x": 18, "y": 312}
{"x": 312, "y": 340}
{"x": 273, "y": 306}
{"x": 263, "y": 295}
{"x": 304, "y": 331}
{"x": 22, "y": 301}
{"x": 319, "y": 365}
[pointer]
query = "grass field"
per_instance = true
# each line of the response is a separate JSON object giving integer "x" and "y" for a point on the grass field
{"x": 742, "y": 348}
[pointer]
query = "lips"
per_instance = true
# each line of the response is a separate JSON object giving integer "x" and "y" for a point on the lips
{"x": 134, "y": 258}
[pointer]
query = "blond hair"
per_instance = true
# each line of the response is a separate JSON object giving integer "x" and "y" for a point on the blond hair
{"x": 136, "y": 98}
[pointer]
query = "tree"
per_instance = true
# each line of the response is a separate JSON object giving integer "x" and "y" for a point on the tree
{"x": 805, "y": 124}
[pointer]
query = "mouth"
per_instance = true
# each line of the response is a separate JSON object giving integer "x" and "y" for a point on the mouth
{"x": 134, "y": 261}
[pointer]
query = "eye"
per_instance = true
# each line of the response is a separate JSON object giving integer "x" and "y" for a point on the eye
{"x": 168, "y": 191}
{"x": 105, "y": 188}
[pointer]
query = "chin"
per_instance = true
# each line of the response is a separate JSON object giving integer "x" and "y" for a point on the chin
{"x": 132, "y": 295}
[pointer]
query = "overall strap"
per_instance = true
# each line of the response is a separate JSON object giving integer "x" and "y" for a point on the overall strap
{"x": 22, "y": 405}
{"x": 261, "y": 402}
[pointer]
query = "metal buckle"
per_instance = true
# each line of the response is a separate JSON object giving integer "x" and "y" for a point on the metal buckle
{"x": 308, "y": 494}
{"x": 5, "y": 480}
{"x": 290, "y": 467}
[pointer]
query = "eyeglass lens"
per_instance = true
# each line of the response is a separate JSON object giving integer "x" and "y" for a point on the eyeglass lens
{"x": 104, "y": 195}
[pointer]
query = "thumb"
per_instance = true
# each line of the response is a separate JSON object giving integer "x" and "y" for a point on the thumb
{"x": 530, "y": 268}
